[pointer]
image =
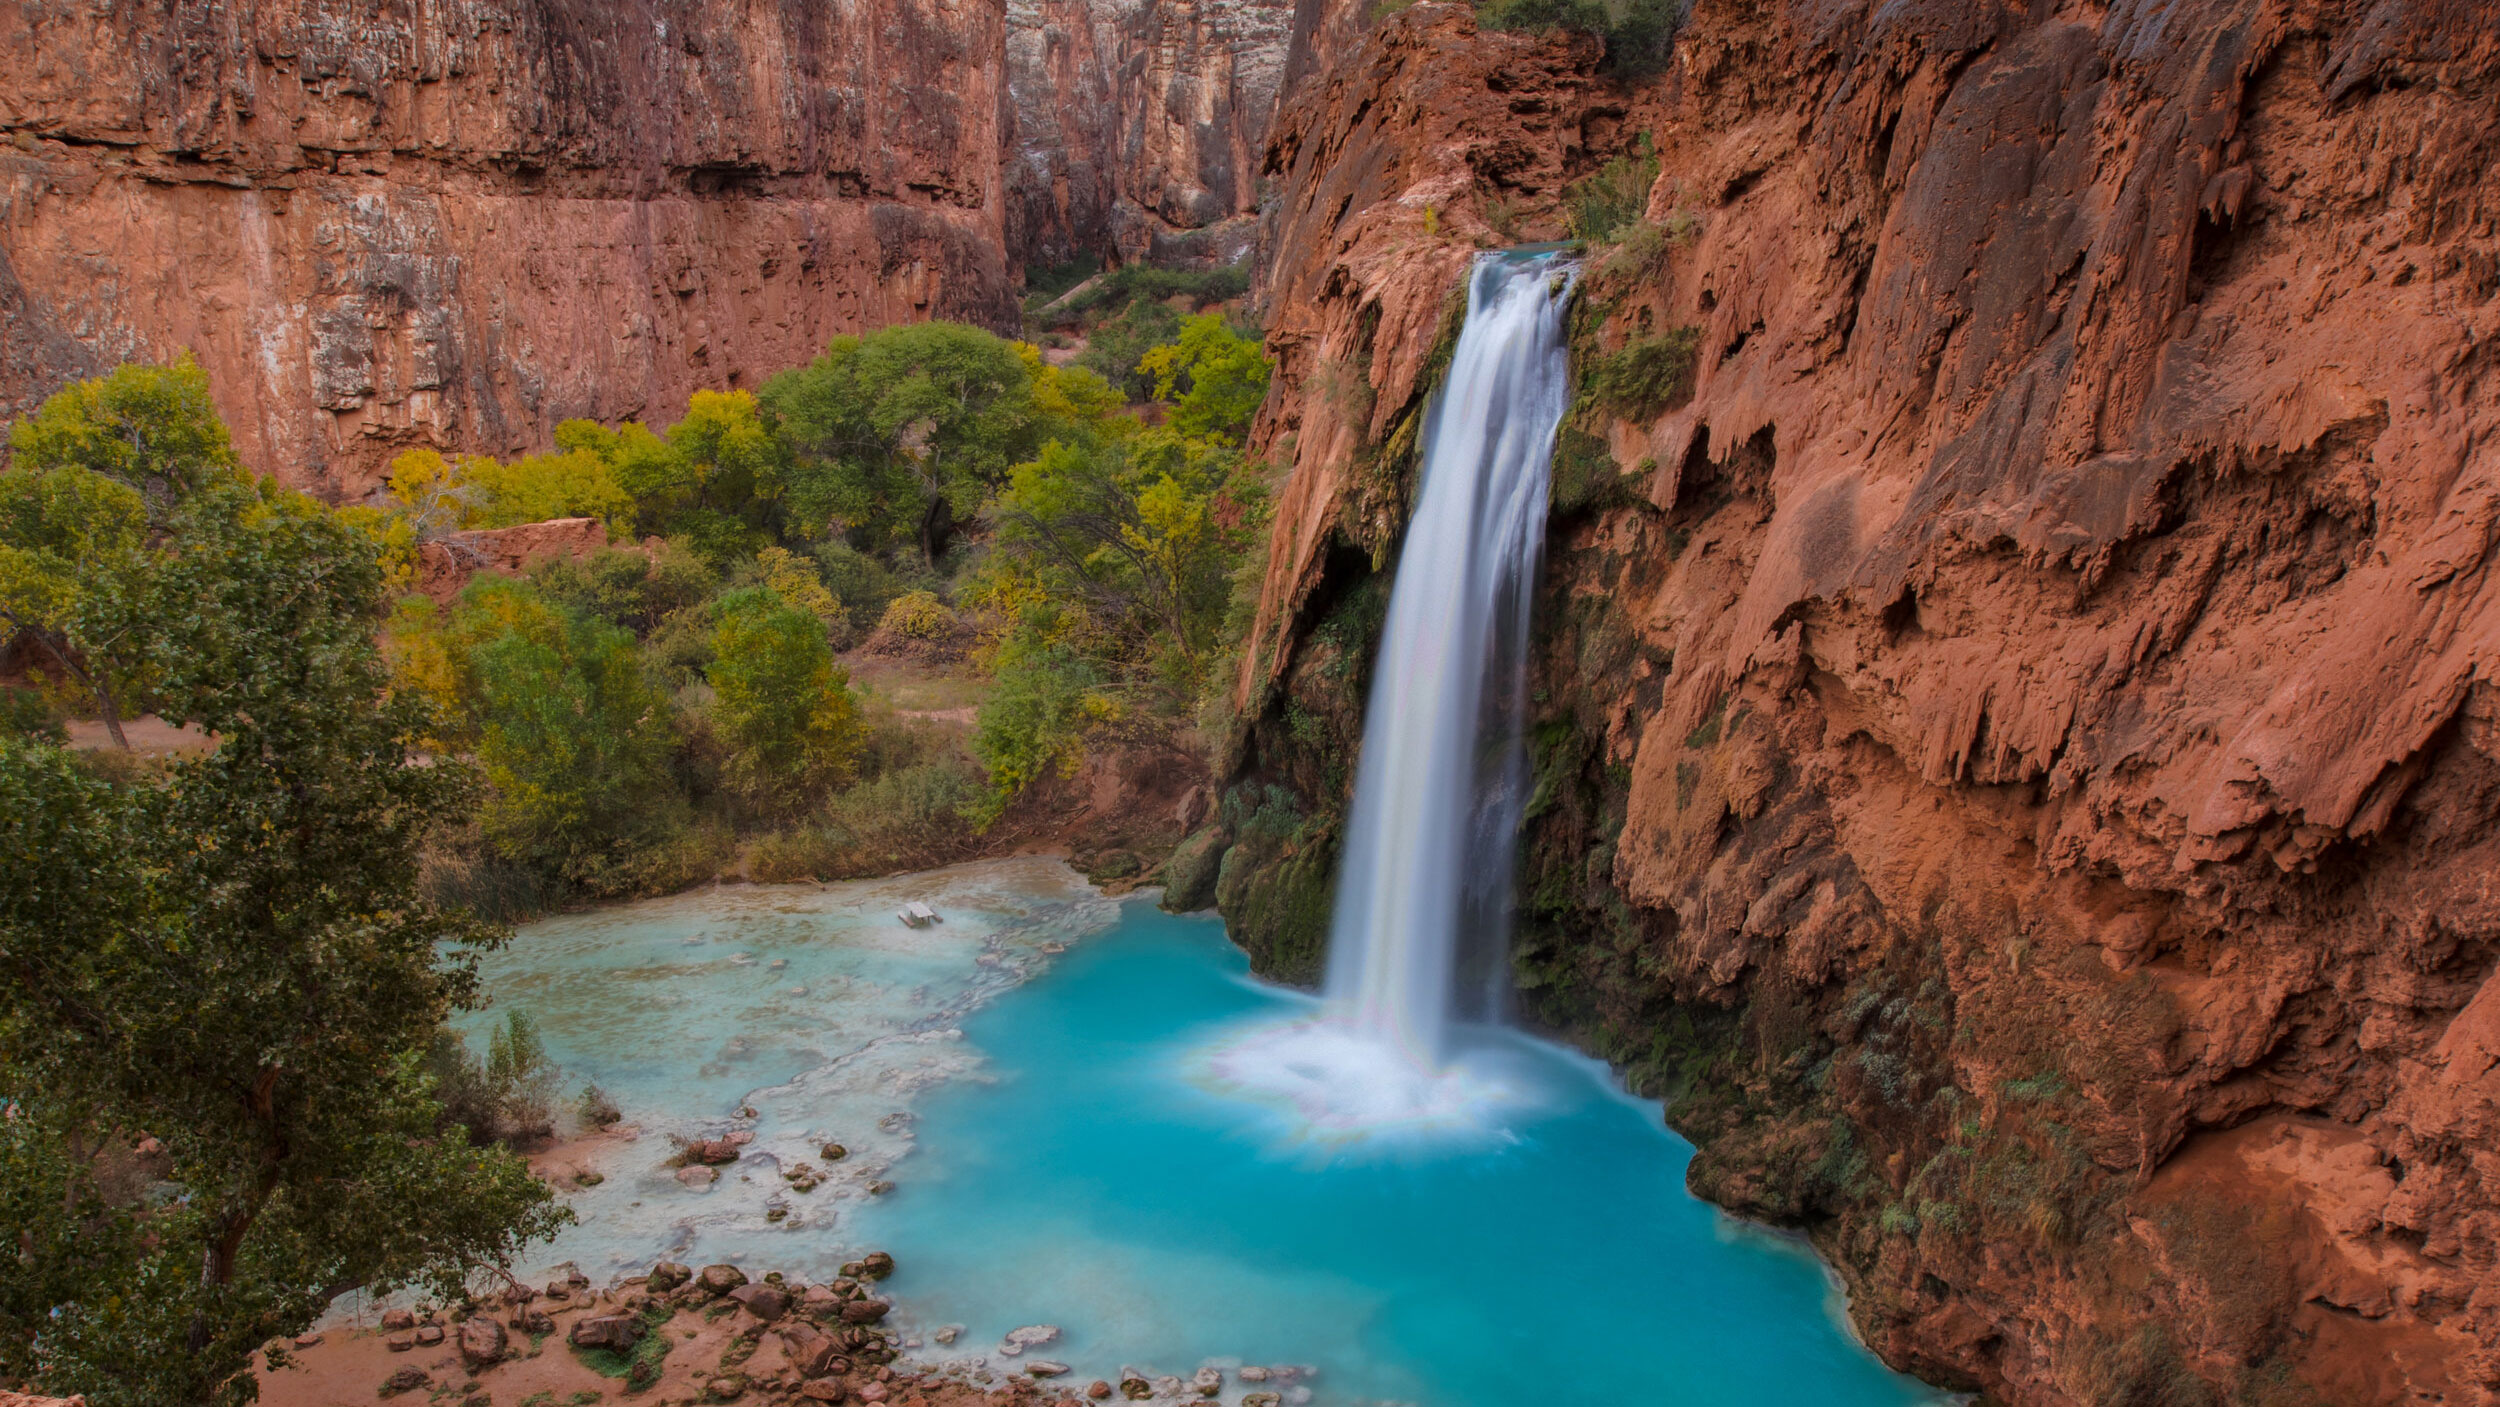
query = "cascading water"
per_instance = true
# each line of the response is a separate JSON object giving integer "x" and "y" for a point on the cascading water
{"x": 1423, "y": 899}
{"x": 1438, "y": 794}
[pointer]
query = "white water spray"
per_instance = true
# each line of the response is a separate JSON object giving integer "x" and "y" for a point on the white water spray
{"x": 1420, "y": 933}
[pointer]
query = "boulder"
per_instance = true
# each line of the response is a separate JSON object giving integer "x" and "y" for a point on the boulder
{"x": 1253, "y": 1373}
{"x": 876, "y": 1265}
{"x": 667, "y": 1276}
{"x": 697, "y": 1176}
{"x": 834, "y": 1152}
{"x": 1135, "y": 1388}
{"x": 400, "y": 1343}
{"x": 611, "y": 1331}
{"x": 811, "y": 1351}
{"x": 864, "y": 1311}
{"x": 429, "y": 1335}
{"x": 872, "y": 1392}
{"x": 482, "y": 1342}
{"x": 1208, "y": 1381}
{"x": 728, "y": 1387}
{"x": 824, "y": 1389}
{"x": 714, "y": 1150}
{"x": 765, "y": 1302}
{"x": 397, "y": 1321}
{"x": 1045, "y": 1368}
{"x": 1098, "y": 1389}
{"x": 1031, "y": 1336}
{"x": 407, "y": 1379}
{"x": 720, "y": 1279}
{"x": 1262, "y": 1399}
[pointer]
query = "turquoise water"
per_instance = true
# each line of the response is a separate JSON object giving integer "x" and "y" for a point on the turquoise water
{"x": 1040, "y": 1079}
{"x": 1093, "y": 1180}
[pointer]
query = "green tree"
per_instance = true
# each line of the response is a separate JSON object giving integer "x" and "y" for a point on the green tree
{"x": 96, "y": 472}
{"x": 153, "y": 428}
{"x": 781, "y": 704}
{"x": 576, "y": 744}
{"x": 1215, "y": 377}
{"x": 74, "y": 554}
{"x": 903, "y": 432}
{"x": 1049, "y": 696}
{"x": 228, "y": 955}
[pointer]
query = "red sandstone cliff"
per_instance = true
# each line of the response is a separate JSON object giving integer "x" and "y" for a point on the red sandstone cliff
{"x": 1140, "y": 125}
{"x": 458, "y": 224}
{"x": 2017, "y": 754}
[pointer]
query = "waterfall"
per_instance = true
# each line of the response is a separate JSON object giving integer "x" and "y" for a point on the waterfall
{"x": 1420, "y": 938}
{"x": 1421, "y": 929}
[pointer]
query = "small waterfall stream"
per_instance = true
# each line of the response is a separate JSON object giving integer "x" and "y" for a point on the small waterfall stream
{"x": 1442, "y": 779}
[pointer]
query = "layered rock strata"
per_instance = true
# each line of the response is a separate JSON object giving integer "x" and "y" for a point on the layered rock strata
{"x": 1140, "y": 126}
{"x": 2016, "y": 755}
{"x": 379, "y": 226}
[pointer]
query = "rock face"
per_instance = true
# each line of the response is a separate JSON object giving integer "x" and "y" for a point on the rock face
{"x": 1140, "y": 125}
{"x": 2017, "y": 747}
{"x": 378, "y": 225}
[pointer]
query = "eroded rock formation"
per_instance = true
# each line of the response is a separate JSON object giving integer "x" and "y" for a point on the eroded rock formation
{"x": 1140, "y": 126}
{"x": 2016, "y": 759}
{"x": 458, "y": 224}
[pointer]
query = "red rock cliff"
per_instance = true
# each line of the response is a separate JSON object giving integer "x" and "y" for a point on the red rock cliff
{"x": 1140, "y": 125}
{"x": 2018, "y": 754}
{"x": 379, "y": 225}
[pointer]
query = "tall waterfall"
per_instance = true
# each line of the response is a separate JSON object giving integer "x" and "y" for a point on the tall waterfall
{"x": 1422, "y": 920}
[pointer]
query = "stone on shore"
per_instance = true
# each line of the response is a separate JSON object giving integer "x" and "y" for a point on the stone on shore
{"x": 667, "y": 1276}
{"x": 398, "y": 1321}
{"x": 609, "y": 1331}
{"x": 1208, "y": 1381}
{"x": 719, "y": 1280}
{"x": 765, "y": 1302}
{"x": 482, "y": 1342}
{"x": 1045, "y": 1368}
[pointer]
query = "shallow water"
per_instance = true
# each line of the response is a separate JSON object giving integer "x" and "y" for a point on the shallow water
{"x": 1073, "y": 1151}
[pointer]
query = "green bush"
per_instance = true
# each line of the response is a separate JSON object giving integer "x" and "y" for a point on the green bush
{"x": 1614, "y": 196}
{"x": 1639, "y": 34}
{"x": 917, "y": 615}
{"x": 1646, "y": 376}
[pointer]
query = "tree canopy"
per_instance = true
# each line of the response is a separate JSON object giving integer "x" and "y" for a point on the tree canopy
{"x": 217, "y": 978}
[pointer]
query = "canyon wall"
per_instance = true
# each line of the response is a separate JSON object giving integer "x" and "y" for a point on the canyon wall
{"x": 2016, "y": 753}
{"x": 1140, "y": 126}
{"x": 378, "y": 224}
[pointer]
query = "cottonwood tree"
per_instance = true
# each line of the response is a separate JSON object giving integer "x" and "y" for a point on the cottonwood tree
{"x": 218, "y": 983}
{"x": 903, "y": 433}
{"x": 781, "y": 705}
{"x": 96, "y": 473}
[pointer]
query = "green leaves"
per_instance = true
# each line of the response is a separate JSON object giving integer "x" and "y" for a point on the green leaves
{"x": 225, "y": 956}
{"x": 1218, "y": 376}
{"x": 781, "y": 706}
{"x": 149, "y": 428}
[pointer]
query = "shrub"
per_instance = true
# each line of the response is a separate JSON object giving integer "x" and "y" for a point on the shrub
{"x": 917, "y": 615}
{"x": 1639, "y": 34}
{"x": 508, "y": 1097}
{"x": 1614, "y": 196}
{"x": 782, "y": 706}
{"x": 1646, "y": 376}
